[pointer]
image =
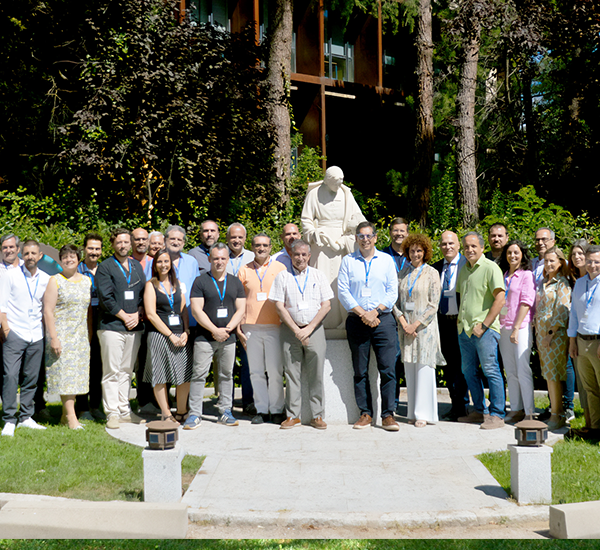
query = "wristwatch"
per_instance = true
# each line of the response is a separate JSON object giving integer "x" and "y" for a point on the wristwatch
{"x": 379, "y": 312}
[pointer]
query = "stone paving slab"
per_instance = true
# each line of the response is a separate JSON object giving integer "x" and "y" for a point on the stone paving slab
{"x": 415, "y": 477}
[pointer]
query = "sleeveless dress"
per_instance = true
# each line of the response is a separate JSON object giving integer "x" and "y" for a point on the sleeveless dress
{"x": 69, "y": 374}
{"x": 165, "y": 363}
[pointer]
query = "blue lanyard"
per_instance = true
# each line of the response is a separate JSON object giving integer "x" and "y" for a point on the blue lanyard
{"x": 410, "y": 287}
{"x": 169, "y": 297}
{"x": 221, "y": 296}
{"x": 236, "y": 270}
{"x": 298, "y": 284}
{"x": 37, "y": 282}
{"x": 507, "y": 283}
{"x": 85, "y": 271}
{"x": 449, "y": 268}
{"x": 261, "y": 279}
{"x": 589, "y": 300}
{"x": 367, "y": 271}
{"x": 399, "y": 269}
{"x": 125, "y": 274}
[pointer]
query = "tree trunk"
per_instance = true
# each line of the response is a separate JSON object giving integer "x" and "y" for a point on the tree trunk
{"x": 279, "y": 71}
{"x": 465, "y": 148}
{"x": 423, "y": 162}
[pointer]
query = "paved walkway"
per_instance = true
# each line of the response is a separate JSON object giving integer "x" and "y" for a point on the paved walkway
{"x": 261, "y": 475}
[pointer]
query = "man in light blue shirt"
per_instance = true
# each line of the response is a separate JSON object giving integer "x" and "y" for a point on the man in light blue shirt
{"x": 584, "y": 338}
{"x": 368, "y": 289}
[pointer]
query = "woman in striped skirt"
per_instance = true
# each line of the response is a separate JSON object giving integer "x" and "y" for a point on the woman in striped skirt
{"x": 169, "y": 359}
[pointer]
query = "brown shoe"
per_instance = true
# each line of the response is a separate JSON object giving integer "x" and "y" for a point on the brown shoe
{"x": 389, "y": 424}
{"x": 514, "y": 416}
{"x": 318, "y": 423}
{"x": 473, "y": 417}
{"x": 492, "y": 422}
{"x": 363, "y": 422}
{"x": 289, "y": 423}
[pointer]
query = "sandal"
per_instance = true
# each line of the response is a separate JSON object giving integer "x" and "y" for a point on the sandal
{"x": 180, "y": 417}
{"x": 420, "y": 424}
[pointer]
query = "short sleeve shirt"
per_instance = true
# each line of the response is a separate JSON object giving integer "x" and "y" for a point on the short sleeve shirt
{"x": 476, "y": 286}
{"x": 205, "y": 287}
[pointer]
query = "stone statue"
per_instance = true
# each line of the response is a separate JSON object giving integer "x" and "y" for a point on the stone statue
{"x": 329, "y": 219}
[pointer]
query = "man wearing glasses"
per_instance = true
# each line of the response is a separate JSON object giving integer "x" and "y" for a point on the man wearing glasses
{"x": 368, "y": 289}
{"x": 544, "y": 240}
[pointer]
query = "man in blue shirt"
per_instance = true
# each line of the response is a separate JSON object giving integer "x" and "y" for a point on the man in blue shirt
{"x": 368, "y": 289}
{"x": 584, "y": 336}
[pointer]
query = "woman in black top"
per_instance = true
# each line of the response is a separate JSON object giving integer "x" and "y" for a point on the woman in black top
{"x": 169, "y": 359}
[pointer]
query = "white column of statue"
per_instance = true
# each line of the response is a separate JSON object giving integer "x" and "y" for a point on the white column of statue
{"x": 329, "y": 219}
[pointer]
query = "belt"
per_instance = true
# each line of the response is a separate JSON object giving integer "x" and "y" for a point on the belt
{"x": 588, "y": 336}
{"x": 452, "y": 317}
{"x": 352, "y": 314}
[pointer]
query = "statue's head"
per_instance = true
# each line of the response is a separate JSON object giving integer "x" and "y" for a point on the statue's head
{"x": 334, "y": 177}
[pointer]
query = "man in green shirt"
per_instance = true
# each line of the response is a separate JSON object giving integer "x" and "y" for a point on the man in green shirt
{"x": 481, "y": 287}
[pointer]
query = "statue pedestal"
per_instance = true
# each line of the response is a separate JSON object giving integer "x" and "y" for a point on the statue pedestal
{"x": 338, "y": 383}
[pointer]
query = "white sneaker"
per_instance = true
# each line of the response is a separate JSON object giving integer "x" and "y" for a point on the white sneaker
{"x": 30, "y": 423}
{"x": 9, "y": 429}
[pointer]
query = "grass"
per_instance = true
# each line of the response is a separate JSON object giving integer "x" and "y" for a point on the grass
{"x": 575, "y": 466}
{"x": 86, "y": 464}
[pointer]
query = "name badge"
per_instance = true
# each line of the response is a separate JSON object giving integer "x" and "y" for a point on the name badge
{"x": 366, "y": 292}
{"x": 129, "y": 294}
{"x": 221, "y": 313}
{"x": 302, "y": 306}
{"x": 409, "y": 306}
{"x": 174, "y": 320}
{"x": 261, "y": 296}
{"x": 504, "y": 310}
{"x": 95, "y": 302}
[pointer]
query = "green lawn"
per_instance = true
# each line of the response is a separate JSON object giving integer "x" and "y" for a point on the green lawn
{"x": 575, "y": 466}
{"x": 87, "y": 464}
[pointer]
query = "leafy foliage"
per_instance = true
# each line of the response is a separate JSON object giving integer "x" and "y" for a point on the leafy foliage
{"x": 173, "y": 112}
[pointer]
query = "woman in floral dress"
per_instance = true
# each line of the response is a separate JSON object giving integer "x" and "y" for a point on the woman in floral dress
{"x": 551, "y": 321}
{"x": 67, "y": 317}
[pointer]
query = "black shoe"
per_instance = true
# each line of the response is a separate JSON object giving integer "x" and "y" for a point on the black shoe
{"x": 250, "y": 410}
{"x": 257, "y": 419}
{"x": 587, "y": 434}
{"x": 278, "y": 418}
{"x": 543, "y": 416}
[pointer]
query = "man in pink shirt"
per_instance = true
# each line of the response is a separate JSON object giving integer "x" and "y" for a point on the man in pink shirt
{"x": 259, "y": 332}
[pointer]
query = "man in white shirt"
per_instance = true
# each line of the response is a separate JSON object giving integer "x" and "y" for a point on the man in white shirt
{"x": 21, "y": 293}
{"x": 303, "y": 299}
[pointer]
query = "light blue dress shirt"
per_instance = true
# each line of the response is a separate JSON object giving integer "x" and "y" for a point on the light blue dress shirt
{"x": 186, "y": 272}
{"x": 382, "y": 281}
{"x": 586, "y": 292}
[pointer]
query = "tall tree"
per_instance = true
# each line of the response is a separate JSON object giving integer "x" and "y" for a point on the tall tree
{"x": 423, "y": 160}
{"x": 279, "y": 71}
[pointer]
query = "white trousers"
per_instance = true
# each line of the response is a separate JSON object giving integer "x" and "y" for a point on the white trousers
{"x": 422, "y": 392}
{"x": 266, "y": 367}
{"x": 518, "y": 370}
{"x": 119, "y": 352}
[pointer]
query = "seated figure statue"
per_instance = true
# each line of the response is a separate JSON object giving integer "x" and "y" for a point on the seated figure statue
{"x": 329, "y": 219}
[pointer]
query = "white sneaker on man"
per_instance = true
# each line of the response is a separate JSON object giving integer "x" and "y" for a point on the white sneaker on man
{"x": 30, "y": 423}
{"x": 9, "y": 429}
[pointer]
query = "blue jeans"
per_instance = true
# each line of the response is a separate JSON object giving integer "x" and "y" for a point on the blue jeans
{"x": 475, "y": 351}
{"x": 569, "y": 386}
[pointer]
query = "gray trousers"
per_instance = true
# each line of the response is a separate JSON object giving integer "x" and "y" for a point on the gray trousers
{"x": 309, "y": 359}
{"x": 26, "y": 357}
{"x": 224, "y": 354}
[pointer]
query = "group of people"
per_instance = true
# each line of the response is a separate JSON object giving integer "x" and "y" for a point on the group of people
{"x": 173, "y": 314}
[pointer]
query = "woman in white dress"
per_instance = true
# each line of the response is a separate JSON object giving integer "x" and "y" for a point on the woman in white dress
{"x": 418, "y": 300}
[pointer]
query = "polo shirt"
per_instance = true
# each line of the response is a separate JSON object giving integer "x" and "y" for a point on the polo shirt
{"x": 263, "y": 312}
{"x": 402, "y": 263}
{"x": 200, "y": 254}
{"x": 476, "y": 286}
{"x": 283, "y": 257}
{"x": 204, "y": 287}
{"x": 235, "y": 263}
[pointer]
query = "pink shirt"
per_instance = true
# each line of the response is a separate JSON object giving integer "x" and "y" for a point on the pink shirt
{"x": 521, "y": 291}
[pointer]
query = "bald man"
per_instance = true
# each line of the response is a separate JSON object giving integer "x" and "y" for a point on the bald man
{"x": 449, "y": 269}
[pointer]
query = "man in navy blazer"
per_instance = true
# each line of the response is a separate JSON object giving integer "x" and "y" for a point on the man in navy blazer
{"x": 449, "y": 268}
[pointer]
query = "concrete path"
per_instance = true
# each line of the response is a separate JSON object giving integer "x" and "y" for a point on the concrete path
{"x": 261, "y": 475}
